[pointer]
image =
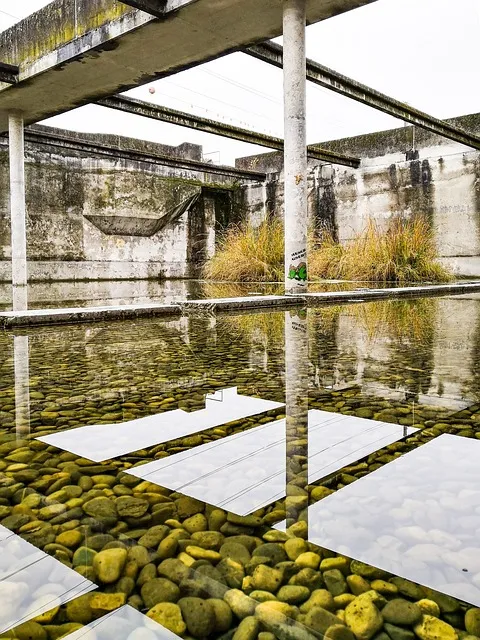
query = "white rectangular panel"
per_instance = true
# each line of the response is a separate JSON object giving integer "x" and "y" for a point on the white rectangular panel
{"x": 246, "y": 471}
{"x": 124, "y": 624}
{"x": 32, "y": 582}
{"x": 106, "y": 441}
{"x": 417, "y": 517}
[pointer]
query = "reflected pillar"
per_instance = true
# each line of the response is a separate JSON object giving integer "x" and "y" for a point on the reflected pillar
{"x": 296, "y": 396}
{"x": 295, "y": 150}
{"x": 22, "y": 386}
{"x": 17, "y": 210}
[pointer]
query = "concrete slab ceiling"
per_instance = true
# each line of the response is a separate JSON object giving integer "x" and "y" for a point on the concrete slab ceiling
{"x": 71, "y": 53}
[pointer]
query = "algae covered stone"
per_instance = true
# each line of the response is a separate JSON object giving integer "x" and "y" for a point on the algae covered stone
{"x": 320, "y": 619}
{"x": 402, "y": 612}
{"x": 363, "y": 618}
{"x": 109, "y": 564}
{"x": 159, "y": 590}
{"x": 319, "y": 598}
{"x": 431, "y": 628}
{"x": 199, "y": 616}
{"x": 472, "y": 622}
{"x": 247, "y": 629}
{"x": 293, "y": 594}
{"x": 169, "y": 615}
{"x": 241, "y": 605}
{"x": 267, "y": 579}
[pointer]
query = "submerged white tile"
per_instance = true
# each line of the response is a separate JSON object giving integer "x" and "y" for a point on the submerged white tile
{"x": 124, "y": 624}
{"x": 246, "y": 471}
{"x": 417, "y": 517}
{"x": 5, "y": 533}
{"x": 32, "y": 582}
{"x": 106, "y": 441}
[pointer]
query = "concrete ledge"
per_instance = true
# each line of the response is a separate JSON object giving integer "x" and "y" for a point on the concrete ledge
{"x": 82, "y": 270}
{"x": 39, "y": 317}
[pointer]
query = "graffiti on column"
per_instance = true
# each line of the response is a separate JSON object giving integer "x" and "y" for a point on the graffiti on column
{"x": 298, "y": 266}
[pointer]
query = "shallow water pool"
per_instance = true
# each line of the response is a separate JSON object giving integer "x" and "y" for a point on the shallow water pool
{"x": 323, "y": 461}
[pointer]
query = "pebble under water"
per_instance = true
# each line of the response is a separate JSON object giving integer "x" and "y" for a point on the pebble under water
{"x": 89, "y": 550}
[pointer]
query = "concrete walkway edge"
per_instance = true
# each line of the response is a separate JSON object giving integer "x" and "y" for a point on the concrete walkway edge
{"x": 42, "y": 317}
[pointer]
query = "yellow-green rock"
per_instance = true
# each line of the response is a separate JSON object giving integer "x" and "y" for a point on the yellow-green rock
{"x": 363, "y": 618}
{"x": 308, "y": 560}
{"x": 247, "y": 629}
{"x": 472, "y": 622}
{"x": 169, "y": 615}
{"x": 431, "y": 628}
{"x": 105, "y": 602}
{"x": 70, "y": 539}
{"x": 223, "y": 615}
{"x": 319, "y": 598}
{"x": 294, "y": 547}
{"x": 203, "y": 554}
{"x": 429, "y": 607}
{"x": 109, "y": 564}
{"x": 266, "y": 578}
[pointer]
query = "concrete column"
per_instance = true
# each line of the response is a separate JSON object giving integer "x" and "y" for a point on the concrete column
{"x": 22, "y": 385}
{"x": 296, "y": 399}
{"x": 295, "y": 155}
{"x": 210, "y": 231}
{"x": 17, "y": 210}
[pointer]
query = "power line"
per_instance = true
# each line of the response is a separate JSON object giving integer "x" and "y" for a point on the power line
{"x": 240, "y": 85}
{"x": 10, "y": 14}
{"x": 211, "y": 112}
{"x": 228, "y": 104}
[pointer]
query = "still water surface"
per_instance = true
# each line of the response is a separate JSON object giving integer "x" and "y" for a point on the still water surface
{"x": 307, "y": 474}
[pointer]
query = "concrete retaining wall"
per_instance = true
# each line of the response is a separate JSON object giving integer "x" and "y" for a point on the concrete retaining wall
{"x": 140, "y": 211}
{"x": 398, "y": 175}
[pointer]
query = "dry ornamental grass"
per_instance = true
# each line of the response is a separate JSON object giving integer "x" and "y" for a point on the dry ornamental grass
{"x": 403, "y": 252}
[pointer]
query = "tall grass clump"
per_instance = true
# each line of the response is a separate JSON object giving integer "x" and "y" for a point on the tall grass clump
{"x": 403, "y": 252}
{"x": 249, "y": 254}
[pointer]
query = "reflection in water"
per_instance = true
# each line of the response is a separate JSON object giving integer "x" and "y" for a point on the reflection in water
{"x": 381, "y": 382}
{"x": 415, "y": 517}
{"x": 32, "y": 582}
{"x": 102, "y": 442}
{"x": 22, "y": 385}
{"x": 97, "y": 293}
{"x": 296, "y": 400}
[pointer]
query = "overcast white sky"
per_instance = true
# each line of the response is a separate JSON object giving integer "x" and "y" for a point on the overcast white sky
{"x": 424, "y": 52}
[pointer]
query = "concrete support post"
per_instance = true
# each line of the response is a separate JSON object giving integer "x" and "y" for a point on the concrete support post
{"x": 296, "y": 400}
{"x": 295, "y": 156}
{"x": 17, "y": 210}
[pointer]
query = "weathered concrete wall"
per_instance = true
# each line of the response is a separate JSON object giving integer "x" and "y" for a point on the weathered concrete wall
{"x": 141, "y": 211}
{"x": 398, "y": 175}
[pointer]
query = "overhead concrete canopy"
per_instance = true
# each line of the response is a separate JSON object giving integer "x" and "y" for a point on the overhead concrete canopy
{"x": 72, "y": 52}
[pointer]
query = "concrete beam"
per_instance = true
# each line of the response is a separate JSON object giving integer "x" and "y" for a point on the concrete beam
{"x": 72, "y": 53}
{"x": 153, "y": 7}
{"x": 34, "y": 136}
{"x": 330, "y": 79}
{"x": 8, "y": 73}
{"x": 182, "y": 119}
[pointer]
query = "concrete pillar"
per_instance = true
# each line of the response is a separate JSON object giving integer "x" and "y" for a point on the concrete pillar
{"x": 295, "y": 155}
{"x": 17, "y": 210}
{"x": 296, "y": 399}
{"x": 22, "y": 385}
{"x": 210, "y": 231}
